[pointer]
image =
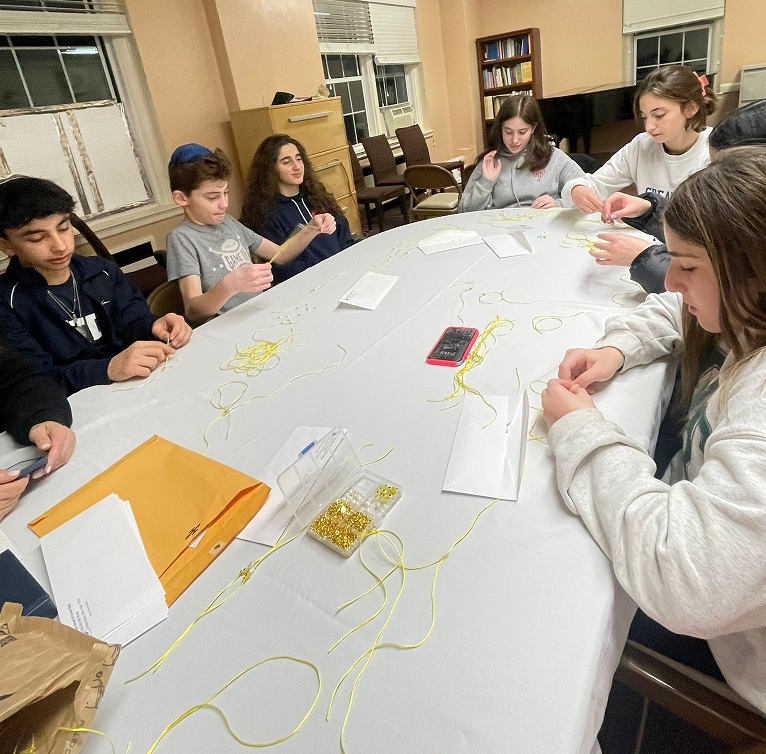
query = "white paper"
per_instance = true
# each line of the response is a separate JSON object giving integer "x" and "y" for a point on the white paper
{"x": 487, "y": 455}
{"x": 6, "y": 544}
{"x": 449, "y": 239}
{"x": 369, "y": 290}
{"x": 511, "y": 244}
{"x": 272, "y": 519}
{"x": 101, "y": 578}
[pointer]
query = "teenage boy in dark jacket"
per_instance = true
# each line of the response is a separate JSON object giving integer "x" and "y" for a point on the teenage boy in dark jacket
{"x": 75, "y": 317}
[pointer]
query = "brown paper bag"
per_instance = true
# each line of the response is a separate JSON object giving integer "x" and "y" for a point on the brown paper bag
{"x": 51, "y": 677}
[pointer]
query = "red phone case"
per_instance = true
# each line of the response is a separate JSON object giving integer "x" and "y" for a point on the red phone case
{"x": 449, "y": 362}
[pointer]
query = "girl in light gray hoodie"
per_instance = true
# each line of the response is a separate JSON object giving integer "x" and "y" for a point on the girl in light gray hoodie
{"x": 688, "y": 548}
{"x": 521, "y": 168}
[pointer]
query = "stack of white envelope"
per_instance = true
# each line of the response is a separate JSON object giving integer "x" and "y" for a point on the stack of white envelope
{"x": 102, "y": 581}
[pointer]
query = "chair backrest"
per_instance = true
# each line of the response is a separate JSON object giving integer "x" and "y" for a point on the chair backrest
{"x": 380, "y": 155}
{"x": 356, "y": 168}
{"x": 413, "y": 145}
{"x": 166, "y": 298}
{"x": 467, "y": 172}
{"x": 95, "y": 242}
{"x": 704, "y": 702}
{"x": 585, "y": 161}
{"x": 430, "y": 177}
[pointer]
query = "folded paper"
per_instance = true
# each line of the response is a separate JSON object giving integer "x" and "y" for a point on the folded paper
{"x": 512, "y": 244}
{"x": 487, "y": 455}
{"x": 449, "y": 239}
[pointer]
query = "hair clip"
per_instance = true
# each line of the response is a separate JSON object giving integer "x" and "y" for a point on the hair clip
{"x": 703, "y": 81}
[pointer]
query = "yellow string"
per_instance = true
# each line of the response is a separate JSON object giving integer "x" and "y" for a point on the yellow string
{"x": 470, "y": 287}
{"x": 398, "y": 252}
{"x": 498, "y": 217}
{"x": 398, "y": 565}
{"x": 542, "y": 438}
{"x": 537, "y": 322}
{"x": 222, "y": 598}
{"x": 256, "y": 358}
{"x": 483, "y": 344}
{"x": 536, "y": 382}
{"x": 167, "y": 364}
{"x": 227, "y": 409}
{"x": 499, "y": 296}
{"x": 250, "y": 744}
{"x": 578, "y": 241}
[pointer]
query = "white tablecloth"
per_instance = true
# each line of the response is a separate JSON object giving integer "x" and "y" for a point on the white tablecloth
{"x": 529, "y": 619}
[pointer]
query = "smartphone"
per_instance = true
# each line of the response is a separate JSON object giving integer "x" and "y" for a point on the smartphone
{"x": 453, "y": 346}
{"x": 25, "y": 468}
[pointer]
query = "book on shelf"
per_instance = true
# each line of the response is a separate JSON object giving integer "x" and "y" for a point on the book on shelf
{"x": 507, "y": 75}
{"x": 509, "y": 47}
{"x": 492, "y": 103}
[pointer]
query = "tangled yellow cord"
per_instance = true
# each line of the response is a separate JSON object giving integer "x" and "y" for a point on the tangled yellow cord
{"x": 227, "y": 409}
{"x": 537, "y": 322}
{"x": 578, "y": 241}
{"x": 260, "y": 357}
{"x": 398, "y": 564}
{"x": 484, "y": 343}
{"x": 496, "y": 297}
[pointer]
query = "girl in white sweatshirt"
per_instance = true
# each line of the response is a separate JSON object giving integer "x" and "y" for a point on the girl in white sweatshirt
{"x": 689, "y": 549}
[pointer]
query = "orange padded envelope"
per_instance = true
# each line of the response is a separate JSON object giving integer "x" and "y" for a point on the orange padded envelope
{"x": 177, "y": 497}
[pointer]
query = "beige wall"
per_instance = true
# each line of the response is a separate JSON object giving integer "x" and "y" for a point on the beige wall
{"x": 234, "y": 54}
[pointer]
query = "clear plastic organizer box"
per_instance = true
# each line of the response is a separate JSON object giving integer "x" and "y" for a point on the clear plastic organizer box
{"x": 328, "y": 490}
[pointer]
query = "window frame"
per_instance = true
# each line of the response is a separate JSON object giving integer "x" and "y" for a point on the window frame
{"x": 715, "y": 45}
{"x": 115, "y": 34}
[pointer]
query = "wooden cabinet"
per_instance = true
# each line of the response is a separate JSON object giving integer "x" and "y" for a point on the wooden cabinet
{"x": 509, "y": 64}
{"x": 318, "y": 125}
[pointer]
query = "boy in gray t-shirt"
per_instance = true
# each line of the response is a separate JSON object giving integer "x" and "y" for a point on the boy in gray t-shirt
{"x": 210, "y": 253}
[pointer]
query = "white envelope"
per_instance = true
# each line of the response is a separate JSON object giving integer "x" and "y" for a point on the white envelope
{"x": 449, "y": 239}
{"x": 272, "y": 519}
{"x": 487, "y": 459}
{"x": 369, "y": 290}
{"x": 512, "y": 244}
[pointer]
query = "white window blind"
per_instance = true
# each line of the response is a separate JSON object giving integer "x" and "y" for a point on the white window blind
{"x": 343, "y": 26}
{"x": 645, "y": 15}
{"x": 393, "y": 26}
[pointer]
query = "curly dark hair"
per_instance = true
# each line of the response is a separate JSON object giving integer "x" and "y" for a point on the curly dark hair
{"x": 263, "y": 186}
{"x": 525, "y": 107}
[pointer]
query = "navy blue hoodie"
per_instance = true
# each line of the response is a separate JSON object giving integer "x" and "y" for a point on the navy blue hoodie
{"x": 287, "y": 212}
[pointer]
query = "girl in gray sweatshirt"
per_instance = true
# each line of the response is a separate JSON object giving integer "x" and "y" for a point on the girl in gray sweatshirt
{"x": 521, "y": 168}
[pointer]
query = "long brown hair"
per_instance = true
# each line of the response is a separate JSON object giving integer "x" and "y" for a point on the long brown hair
{"x": 723, "y": 209}
{"x": 263, "y": 185}
{"x": 539, "y": 150}
{"x": 678, "y": 83}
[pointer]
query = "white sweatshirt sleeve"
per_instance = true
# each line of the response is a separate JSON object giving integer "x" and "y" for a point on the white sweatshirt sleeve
{"x": 617, "y": 173}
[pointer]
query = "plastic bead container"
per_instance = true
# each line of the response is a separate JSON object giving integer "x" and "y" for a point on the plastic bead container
{"x": 328, "y": 490}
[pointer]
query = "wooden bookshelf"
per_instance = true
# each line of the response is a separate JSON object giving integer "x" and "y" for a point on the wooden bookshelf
{"x": 509, "y": 64}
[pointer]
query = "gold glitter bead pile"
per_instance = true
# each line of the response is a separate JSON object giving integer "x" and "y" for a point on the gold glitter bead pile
{"x": 347, "y": 516}
{"x": 336, "y": 534}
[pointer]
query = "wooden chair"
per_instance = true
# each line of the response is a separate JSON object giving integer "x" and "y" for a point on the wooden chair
{"x": 382, "y": 161}
{"x": 442, "y": 191}
{"x": 146, "y": 279}
{"x": 166, "y": 298}
{"x": 700, "y": 700}
{"x": 415, "y": 149}
{"x": 370, "y": 196}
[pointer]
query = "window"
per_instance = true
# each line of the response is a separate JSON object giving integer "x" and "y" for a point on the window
{"x": 370, "y": 59}
{"x": 391, "y": 84}
{"x": 74, "y": 108}
{"x": 39, "y": 71}
{"x": 344, "y": 79}
{"x": 689, "y": 45}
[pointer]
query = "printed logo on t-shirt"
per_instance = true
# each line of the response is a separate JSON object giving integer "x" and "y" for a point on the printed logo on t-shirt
{"x": 233, "y": 254}
{"x": 658, "y": 192}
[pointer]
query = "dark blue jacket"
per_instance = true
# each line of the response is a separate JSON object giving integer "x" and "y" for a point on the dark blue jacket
{"x": 32, "y": 323}
{"x": 287, "y": 212}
